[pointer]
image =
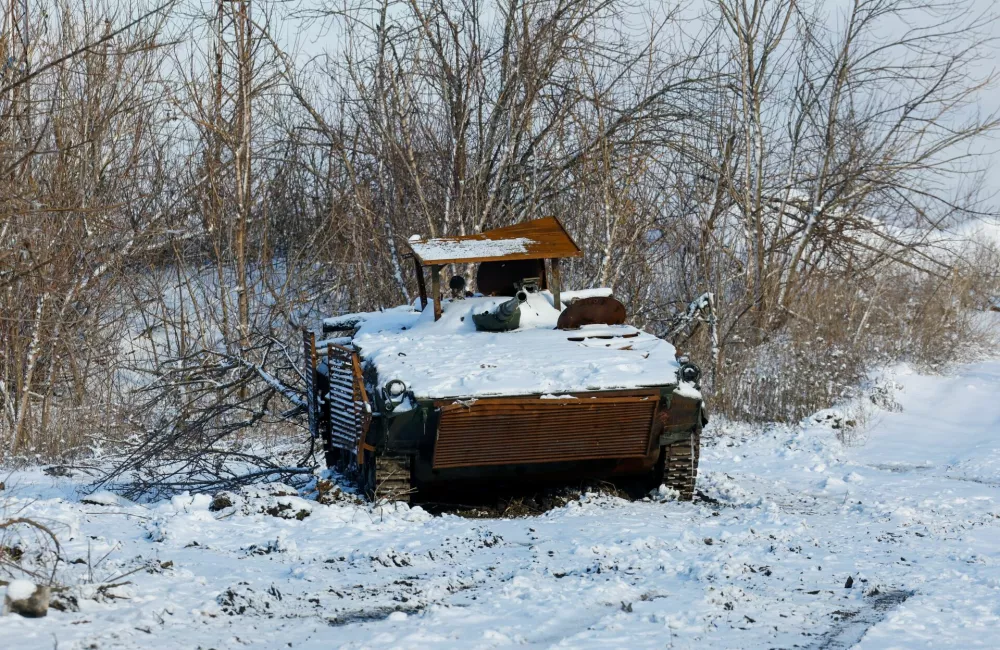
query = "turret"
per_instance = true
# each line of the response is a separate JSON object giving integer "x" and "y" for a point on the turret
{"x": 502, "y": 318}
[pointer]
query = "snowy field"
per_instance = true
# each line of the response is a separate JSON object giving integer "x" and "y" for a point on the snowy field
{"x": 892, "y": 541}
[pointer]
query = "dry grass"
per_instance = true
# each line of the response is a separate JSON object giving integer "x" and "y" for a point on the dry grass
{"x": 839, "y": 333}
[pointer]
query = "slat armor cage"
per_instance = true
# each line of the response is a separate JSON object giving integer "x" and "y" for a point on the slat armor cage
{"x": 341, "y": 413}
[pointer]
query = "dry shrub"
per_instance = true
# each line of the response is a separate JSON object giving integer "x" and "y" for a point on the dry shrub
{"x": 840, "y": 332}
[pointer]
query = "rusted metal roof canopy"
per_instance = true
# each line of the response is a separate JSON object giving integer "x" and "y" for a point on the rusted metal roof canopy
{"x": 539, "y": 239}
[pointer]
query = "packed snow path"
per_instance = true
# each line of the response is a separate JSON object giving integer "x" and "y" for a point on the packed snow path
{"x": 891, "y": 542}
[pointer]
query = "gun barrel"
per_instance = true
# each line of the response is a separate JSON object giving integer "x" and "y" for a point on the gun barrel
{"x": 505, "y": 310}
{"x": 503, "y": 317}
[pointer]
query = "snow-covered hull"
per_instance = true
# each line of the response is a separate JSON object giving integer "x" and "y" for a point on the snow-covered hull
{"x": 437, "y": 399}
{"x": 398, "y": 449}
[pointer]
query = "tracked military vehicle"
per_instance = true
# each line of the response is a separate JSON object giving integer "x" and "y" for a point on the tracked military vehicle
{"x": 519, "y": 381}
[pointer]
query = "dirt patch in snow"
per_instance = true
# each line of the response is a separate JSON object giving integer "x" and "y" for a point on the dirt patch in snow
{"x": 510, "y": 503}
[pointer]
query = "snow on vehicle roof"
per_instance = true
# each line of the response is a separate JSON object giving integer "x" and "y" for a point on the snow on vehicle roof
{"x": 350, "y": 321}
{"x": 538, "y": 239}
{"x": 569, "y": 297}
{"x": 451, "y": 359}
{"x": 435, "y": 250}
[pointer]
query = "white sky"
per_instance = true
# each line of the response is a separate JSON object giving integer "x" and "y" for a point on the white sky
{"x": 991, "y": 101}
{"x": 308, "y": 43}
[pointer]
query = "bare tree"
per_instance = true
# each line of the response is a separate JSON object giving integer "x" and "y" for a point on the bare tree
{"x": 182, "y": 192}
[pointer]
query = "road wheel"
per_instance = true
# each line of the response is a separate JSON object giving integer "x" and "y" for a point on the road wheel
{"x": 679, "y": 464}
{"x": 387, "y": 478}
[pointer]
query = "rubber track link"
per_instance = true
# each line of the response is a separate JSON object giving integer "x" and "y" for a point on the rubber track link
{"x": 680, "y": 466}
{"x": 393, "y": 479}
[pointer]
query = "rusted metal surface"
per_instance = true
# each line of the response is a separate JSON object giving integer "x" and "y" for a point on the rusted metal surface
{"x": 521, "y": 431}
{"x": 592, "y": 311}
{"x": 683, "y": 415}
{"x": 363, "y": 407}
{"x": 499, "y": 278}
{"x": 542, "y": 239}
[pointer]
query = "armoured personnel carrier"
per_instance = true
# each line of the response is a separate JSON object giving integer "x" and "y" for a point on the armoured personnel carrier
{"x": 520, "y": 381}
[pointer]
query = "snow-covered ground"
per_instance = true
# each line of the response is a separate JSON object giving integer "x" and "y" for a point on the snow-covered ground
{"x": 892, "y": 541}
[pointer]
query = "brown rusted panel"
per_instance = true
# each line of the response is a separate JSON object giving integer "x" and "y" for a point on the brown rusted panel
{"x": 682, "y": 415}
{"x": 524, "y": 431}
{"x": 592, "y": 311}
{"x": 362, "y": 407}
{"x": 498, "y": 278}
{"x": 539, "y": 239}
{"x": 532, "y": 398}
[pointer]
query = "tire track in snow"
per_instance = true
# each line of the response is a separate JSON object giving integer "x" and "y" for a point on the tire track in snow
{"x": 853, "y": 625}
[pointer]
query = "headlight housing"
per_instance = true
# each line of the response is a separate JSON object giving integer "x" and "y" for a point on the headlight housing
{"x": 393, "y": 393}
{"x": 689, "y": 373}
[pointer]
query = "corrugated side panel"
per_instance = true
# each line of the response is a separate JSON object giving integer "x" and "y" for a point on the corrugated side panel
{"x": 515, "y": 431}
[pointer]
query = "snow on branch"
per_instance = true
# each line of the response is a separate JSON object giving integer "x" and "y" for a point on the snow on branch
{"x": 700, "y": 310}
